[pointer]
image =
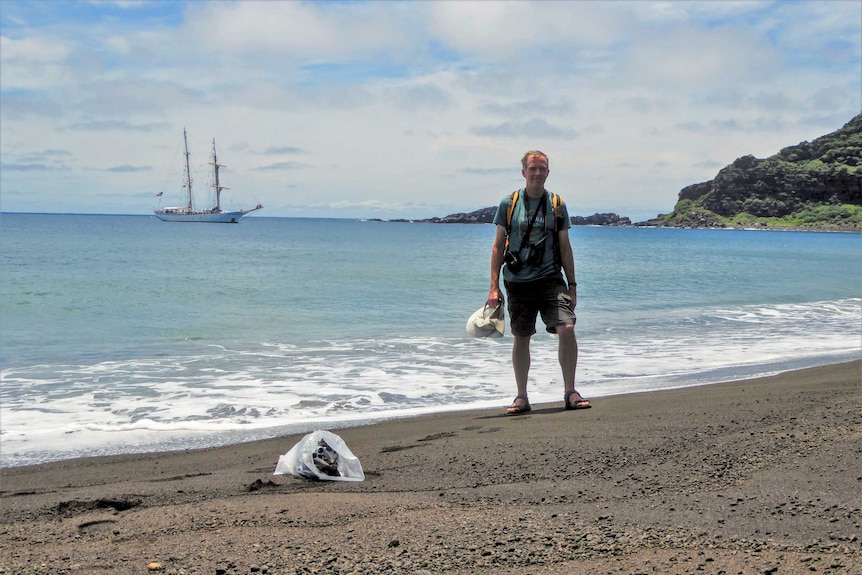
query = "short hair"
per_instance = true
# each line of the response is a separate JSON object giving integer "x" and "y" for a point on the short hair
{"x": 533, "y": 153}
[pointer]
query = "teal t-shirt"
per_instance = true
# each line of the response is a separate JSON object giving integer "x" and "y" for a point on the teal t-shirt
{"x": 541, "y": 235}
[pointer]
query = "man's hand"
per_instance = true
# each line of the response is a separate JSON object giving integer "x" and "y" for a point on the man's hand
{"x": 495, "y": 299}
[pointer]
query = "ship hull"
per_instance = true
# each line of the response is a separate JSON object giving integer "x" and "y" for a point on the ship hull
{"x": 205, "y": 217}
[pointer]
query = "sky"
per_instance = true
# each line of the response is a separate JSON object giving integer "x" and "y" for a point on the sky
{"x": 415, "y": 109}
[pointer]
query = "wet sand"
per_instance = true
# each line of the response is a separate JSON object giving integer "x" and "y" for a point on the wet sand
{"x": 754, "y": 477}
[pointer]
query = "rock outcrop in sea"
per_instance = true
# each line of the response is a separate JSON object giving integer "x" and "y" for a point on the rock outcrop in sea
{"x": 607, "y": 219}
{"x": 481, "y": 216}
{"x": 486, "y": 216}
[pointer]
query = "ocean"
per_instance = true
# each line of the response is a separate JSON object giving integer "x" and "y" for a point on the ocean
{"x": 125, "y": 334}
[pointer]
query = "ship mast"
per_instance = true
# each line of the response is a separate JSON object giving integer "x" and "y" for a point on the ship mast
{"x": 188, "y": 171}
{"x": 218, "y": 187}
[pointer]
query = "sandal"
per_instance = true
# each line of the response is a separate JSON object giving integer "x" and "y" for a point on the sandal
{"x": 519, "y": 407}
{"x": 579, "y": 403}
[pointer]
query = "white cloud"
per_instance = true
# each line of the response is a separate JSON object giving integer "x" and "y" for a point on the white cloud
{"x": 696, "y": 60}
{"x": 502, "y": 29}
{"x": 305, "y": 32}
{"x": 34, "y": 63}
{"x": 409, "y": 109}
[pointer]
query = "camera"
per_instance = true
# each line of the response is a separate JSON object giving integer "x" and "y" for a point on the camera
{"x": 513, "y": 262}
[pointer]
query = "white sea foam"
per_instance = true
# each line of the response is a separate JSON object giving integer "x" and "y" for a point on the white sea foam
{"x": 196, "y": 400}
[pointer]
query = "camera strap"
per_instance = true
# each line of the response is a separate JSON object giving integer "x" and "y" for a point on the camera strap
{"x": 543, "y": 207}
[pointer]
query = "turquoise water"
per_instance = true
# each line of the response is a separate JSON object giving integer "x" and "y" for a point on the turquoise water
{"x": 125, "y": 333}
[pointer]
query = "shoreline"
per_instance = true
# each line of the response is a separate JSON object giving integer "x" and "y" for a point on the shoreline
{"x": 169, "y": 441}
{"x": 753, "y": 476}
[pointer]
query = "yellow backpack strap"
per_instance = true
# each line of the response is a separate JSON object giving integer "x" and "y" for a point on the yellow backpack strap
{"x": 556, "y": 202}
{"x": 512, "y": 201}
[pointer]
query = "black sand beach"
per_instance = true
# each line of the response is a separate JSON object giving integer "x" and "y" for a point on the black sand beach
{"x": 755, "y": 477}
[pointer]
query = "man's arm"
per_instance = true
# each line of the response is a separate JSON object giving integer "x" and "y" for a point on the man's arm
{"x": 497, "y": 252}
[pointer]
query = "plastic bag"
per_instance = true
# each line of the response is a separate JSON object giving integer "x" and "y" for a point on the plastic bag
{"x": 321, "y": 455}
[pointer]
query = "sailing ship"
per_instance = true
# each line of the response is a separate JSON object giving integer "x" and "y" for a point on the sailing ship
{"x": 188, "y": 213}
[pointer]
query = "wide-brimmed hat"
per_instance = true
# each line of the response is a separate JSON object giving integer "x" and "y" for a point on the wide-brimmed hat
{"x": 487, "y": 322}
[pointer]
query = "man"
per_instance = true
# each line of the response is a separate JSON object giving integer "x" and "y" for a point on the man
{"x": 533, "y": 241}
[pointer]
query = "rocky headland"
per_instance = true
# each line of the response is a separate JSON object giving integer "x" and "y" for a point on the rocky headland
{"x": 812, "y": 185}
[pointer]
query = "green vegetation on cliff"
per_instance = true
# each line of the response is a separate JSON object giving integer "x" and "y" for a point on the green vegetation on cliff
{"x": 815, "y": 185}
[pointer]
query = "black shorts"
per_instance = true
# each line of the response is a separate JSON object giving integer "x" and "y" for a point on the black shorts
{"x": 548, "y": 296}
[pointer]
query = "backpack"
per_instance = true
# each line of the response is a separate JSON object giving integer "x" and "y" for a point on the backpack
{"x": 513, "y": 199}
{"x": 555, "y": 202}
